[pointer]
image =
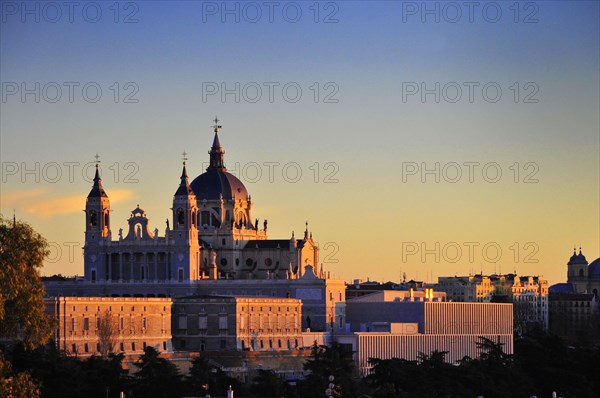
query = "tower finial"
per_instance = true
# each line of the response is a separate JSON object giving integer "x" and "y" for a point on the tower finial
{"x": 14, "y": 218}
{"x": 184, "y": 157}
{"x": 216, "y": 151}
{"x": 216, "y": 126}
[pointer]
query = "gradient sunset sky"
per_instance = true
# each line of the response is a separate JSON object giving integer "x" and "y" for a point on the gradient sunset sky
{"x": 361, "y": 133}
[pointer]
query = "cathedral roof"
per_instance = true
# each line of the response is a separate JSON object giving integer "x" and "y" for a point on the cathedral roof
{"x": 268, "y": 244}
{"x": 97, "y": 190}
{"x": 214, "y": 183}
{"x": 594, "y": 269}
{"x": 561, "y": 288}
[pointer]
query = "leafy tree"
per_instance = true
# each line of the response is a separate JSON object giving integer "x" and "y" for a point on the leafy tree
{"x": 16, "y": 385}
{"x": 267, "y": 384}
{"x": 325, "y": 361}
{"x": 157, "y": 376}
{"x": 22, "y": 252}
{"x": 205, "y": 377}
{"x": 201, "y": 375}
{"x": 104, "y": 375}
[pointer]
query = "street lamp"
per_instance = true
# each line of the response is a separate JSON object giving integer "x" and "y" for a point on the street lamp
{"x": 330, "y": 388}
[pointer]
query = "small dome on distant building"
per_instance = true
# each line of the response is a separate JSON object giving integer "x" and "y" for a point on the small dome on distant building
{"x": 561, "y": 288}
{"x": 594, "y": 269}
{"x": 577, "y": 258}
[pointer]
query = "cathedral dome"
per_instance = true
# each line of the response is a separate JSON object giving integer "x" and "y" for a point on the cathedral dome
{"x": 594, "y": 269}
{"x": 214, "y": 183}
{"x": 217, "y": 181}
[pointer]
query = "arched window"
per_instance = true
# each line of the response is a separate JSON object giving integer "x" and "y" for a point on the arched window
{"x": 180, "y": 217}
{"x": 93, "y": 218}
{"x": 581, "y": 273}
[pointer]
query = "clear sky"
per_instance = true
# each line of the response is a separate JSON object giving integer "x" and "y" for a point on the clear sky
{"x": 370, "y": 101}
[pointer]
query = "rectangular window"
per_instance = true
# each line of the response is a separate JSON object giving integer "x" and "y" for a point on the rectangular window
{"x": 122, "y": 347}
{"x": 122, "y": 324}
{"x": 223, "y": 322}
{"x": 86, "y": 347}
{"x": 72, "y": 324}
{"x": 86, "y": 324}
{"x": 183, "y": 322}
{"x": 93, "y": 275}
{"x": 223, "y": 344}
{"x": 132, "y": 346}
{"x": 180, "y": 275}
{"x": 202, "y": 322}
{"x": 144, "y": 323}
{"x": 74, "y": 348}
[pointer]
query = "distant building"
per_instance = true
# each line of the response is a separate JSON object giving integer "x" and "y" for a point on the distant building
{"x": 383, "y": 327}
{"x": 573, "y": 314}
{"x": 529, "y": 294}
{"x": 381, "y": 311}
{"x": 137, "y": 322}
{"x": 225, "y": 323}
{"x": 575, "y": 305}
{"x": 360, "y": 288}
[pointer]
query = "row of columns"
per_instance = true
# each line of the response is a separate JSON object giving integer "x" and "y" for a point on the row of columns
{"x": 144, "y": 269}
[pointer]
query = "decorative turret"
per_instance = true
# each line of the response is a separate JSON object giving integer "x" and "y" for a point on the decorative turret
{"x": 577, "y": 273}
{"x": 184, "y": 233}
{"x": 216, "y": 152}
{"x": 97, "y": 228}
{"x": 97, "y": 209}
{"x": 185, "y": 209}
{"x": 184, "y": 185}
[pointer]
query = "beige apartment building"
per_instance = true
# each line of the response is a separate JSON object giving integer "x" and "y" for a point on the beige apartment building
{"x": 529, "y": 294}
{"x": 132, "y": 324}
{"x": 232, "y": 323}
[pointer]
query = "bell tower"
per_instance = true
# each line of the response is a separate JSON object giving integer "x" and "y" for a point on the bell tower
{"x": 186, "y": 261}
{"x": 97, "y": 229}
{"x": 578, "y": 271}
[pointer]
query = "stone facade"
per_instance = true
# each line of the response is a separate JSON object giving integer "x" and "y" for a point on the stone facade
{"x": 225, "y": 323}
{"x": 138, "y": 322}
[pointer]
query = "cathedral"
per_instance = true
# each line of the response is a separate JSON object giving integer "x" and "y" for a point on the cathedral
{"x": 582, "y": 277}
{"x": 210, "y": 246}
{"x": 211, "y": 235}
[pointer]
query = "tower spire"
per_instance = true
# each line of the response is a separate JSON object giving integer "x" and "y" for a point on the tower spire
{"x": 184, "y": 184}
{"x": 97, "y": 188}
{"x": 216, "y": 152}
